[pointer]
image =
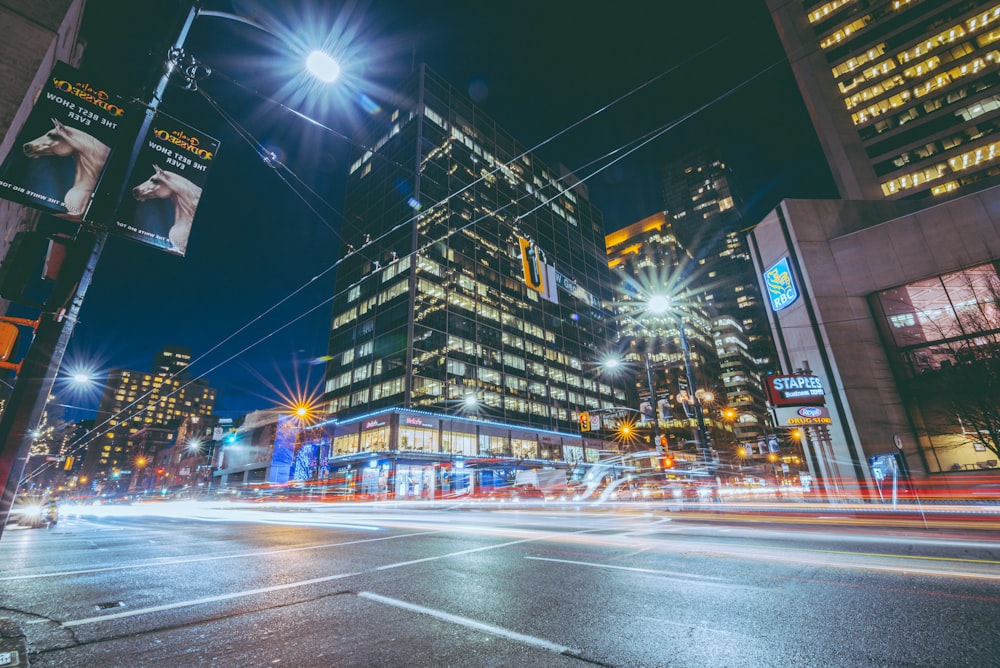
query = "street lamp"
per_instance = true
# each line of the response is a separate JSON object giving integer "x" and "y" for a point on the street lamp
{"x": 613, "y": 363}
{"x": 55, "y": 325}
{"x": 322, "y": 66}
{"x": 662, "y": 305}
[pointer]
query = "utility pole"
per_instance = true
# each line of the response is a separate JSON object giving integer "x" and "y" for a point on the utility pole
{"x": 55, "y": 327}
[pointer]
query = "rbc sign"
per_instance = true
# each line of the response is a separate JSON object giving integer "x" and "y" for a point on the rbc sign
{"x": 780, "y": 286}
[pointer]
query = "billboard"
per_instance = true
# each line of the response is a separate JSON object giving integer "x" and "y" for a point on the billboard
{"x": 799, "y": 390}
{"x": 62, "y": 148}
{"x": 165, "y": 185}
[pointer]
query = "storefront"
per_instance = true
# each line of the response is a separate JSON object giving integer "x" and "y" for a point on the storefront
{"x": 414, "y": 455}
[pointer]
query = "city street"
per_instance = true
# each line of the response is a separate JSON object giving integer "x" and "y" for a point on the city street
{"x": 486, "y": 585}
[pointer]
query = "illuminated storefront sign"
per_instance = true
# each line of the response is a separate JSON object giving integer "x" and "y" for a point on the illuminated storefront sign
{"x": 803, "y": 416}
{"x": 800, "y": 390}
{"x": 781, "y": 288}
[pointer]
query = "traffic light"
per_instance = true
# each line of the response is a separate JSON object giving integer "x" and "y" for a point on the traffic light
{"x": 664, "y": 442}
{"x": 584, "y": 421}
{"x": 667, "y": 462}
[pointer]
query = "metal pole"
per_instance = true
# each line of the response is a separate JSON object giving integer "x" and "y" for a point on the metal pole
{"x": 652, "y": 403}
{"x": 702, "y": 436}
{"x": 41, "y": 363}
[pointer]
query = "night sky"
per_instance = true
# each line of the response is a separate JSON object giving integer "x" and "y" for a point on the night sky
{"x": 538, "y": 68}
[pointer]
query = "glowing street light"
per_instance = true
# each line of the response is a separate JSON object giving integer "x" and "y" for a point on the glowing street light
{"x": 323, "y": 66}
{"x": 663, "y": 305}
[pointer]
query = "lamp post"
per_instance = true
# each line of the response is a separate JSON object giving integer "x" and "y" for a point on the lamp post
{"x": 613, "y": 363}
{"x": 42, "y": 361}
{"x": 662, "y": 305}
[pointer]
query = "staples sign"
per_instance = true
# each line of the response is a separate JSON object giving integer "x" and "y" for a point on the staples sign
{"x": 795, "y": 390}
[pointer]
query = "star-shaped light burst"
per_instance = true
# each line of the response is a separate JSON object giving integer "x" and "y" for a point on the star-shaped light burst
{"x": 626, "y": 434}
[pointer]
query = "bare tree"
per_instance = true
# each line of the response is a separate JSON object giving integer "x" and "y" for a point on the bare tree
{"x": 955, "y": 379}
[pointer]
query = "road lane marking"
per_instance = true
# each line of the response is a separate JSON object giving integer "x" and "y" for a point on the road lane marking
{"x": 684, "y": 577}
{"x": 189, "y": 560}
{"x": 207, "y": 599}
{"x": 306, "y": 583}
{"x": 473, "y": 550}
{"x": 892, "y": 556}
{"x": 472, "y": 624}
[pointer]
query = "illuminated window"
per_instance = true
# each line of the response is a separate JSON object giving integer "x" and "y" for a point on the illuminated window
{"x": 823, "y": 11}
{"x": 843, "y": 33}
{"x": 855, "y": 62}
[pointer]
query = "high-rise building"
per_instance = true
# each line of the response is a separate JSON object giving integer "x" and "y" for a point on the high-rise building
{"x": 133, "y": 400}
{"x": 704, "y": 204}
{"x": 473, "y": 288}
{"x": 172, "y": 361}
{"x": 745, "y": 404}
{"x": 904, "y": 96}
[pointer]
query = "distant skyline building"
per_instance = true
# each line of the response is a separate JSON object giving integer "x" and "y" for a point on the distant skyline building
{"x": 703, "y": 201}
{"x": 134, "y": 400}
{"x": 472, "y": 290}
{"x": 904, "y": 96}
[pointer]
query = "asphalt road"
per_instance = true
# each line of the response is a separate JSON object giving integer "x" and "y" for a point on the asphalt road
{"x": 493, "y": 586}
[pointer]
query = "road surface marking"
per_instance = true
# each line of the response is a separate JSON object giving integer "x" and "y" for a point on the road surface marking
{"x": 471, "y": 623}
{"x": 207, "y": 599}
{"x": 651, "y": 571}
{"x": 189, "y": 560}
{"x": 306, "y": 583}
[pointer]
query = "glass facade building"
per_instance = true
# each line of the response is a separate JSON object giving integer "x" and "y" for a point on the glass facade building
{"x": 904, "y": 96}
{"x": 472, "y": 287}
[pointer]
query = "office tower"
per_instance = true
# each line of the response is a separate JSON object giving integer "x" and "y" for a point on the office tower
{"x": 704, "y": 204}
{"x": 134, "y": 400}
{"x": 172, "y": 361}
{"x": 649, "y": 260}
{"x": 903, "y": 95}
{"x": 745, "y": 405}
{"x": 472, "y": 285}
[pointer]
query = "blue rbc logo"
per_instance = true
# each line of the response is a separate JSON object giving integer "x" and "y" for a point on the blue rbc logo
{"x": 780, "y": 286}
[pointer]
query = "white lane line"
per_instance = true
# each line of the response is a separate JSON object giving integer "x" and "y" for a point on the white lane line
{"x": 473, "y": 550}
{"x": 306, "y": 583}
{"x": 191, "y": 560}
{"x": 651, "y": 571}
{"x": 472, "y": 624}
{"x": 207, "y": 599}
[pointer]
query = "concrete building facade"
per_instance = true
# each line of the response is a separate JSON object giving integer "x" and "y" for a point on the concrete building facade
{"x": 880, "y": 292}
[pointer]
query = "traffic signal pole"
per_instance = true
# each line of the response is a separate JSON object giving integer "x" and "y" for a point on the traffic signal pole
{"x": 40, "y": 366}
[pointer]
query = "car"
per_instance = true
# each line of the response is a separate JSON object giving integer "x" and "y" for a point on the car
{"x": 516, "y": 493}
{"x": 34, "y": 512}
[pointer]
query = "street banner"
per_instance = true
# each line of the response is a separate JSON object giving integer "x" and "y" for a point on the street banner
{"x": 61, "y": 150}
{"x": 165, "y": 185}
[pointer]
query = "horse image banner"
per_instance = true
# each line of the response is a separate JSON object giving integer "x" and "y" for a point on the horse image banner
{"x": 165, "y": 185}
{"x": 60, "y": 152}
